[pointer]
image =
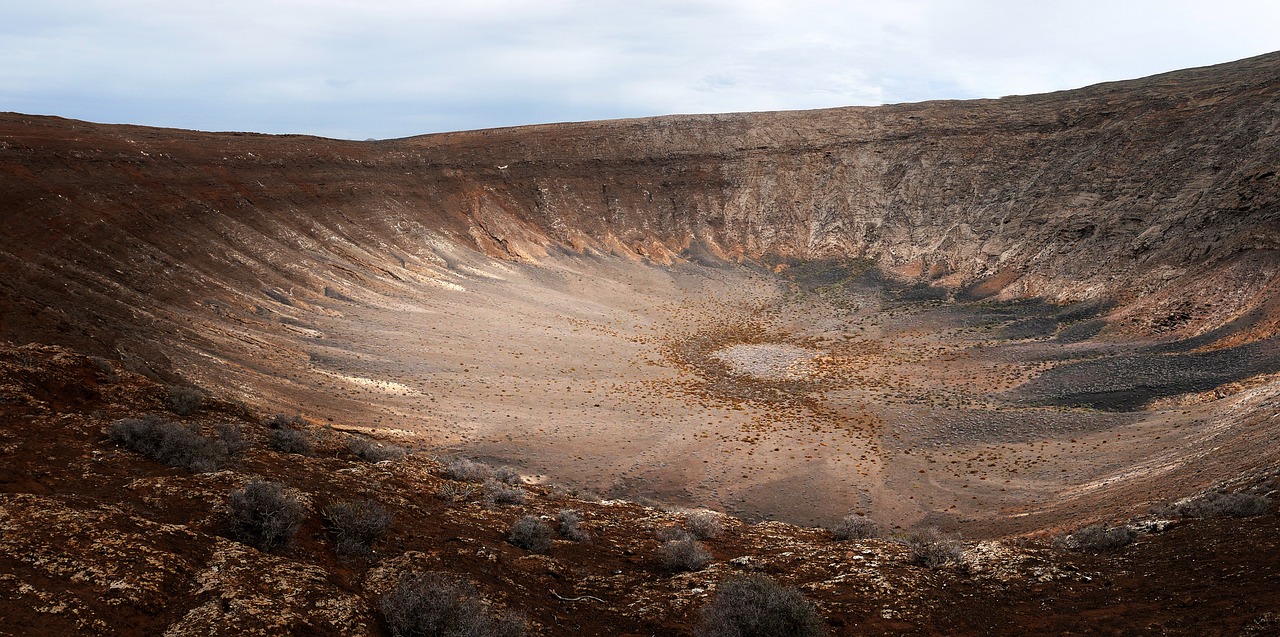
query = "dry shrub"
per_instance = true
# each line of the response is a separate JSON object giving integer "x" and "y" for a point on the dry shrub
{"x": 457, "y": 492}
{"x": 1216, "y": 504}
{"x": 703, "y": 525}
{"x": 264, "y": 516}
{"x": 678, "y": 556}
{"x": 567, "y": 521}
{"x": 855, "y": 527}
{"x": 1097, "y": 538}
{"x": 443, "y": 605}
{"x": 281, "y": 421}
{"x": 464, "y": 469}
{"x": 531, "y": 534}
{"x": 291, "y": 441}
{"x": 507, "y": 474}
{"x": 172, "y": 443}
{"x": 757, "y": 606}
{"x": 932, "y": 548}
{"x": 372, "y": 451}
{"x": 356, "y": 525}
{"x": 183, "y": 400}
{"x": 501, "y": 493}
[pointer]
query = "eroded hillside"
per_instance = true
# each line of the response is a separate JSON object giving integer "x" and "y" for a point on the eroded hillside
{"x": 999, "y": 317}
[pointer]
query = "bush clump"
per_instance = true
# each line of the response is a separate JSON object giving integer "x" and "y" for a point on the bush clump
{"x": 567, "y": 521}
{"x": 264, "y": 516}
{"x": 687, "y": 554}
{"x": 465, "y": 470}
{"x": 507, "y": 475}
{"x": 440, "y": 605}
{"x": 496, "y": 492}
{"x": 356, "y": 525}
{"x": 531, "y": 534}
{"x": 371, "y": 451}
{"x": 291, "y": 441}
{"x": 454, "y": 492}
{"x": 1097, "y": 538}
{"x": 281, "y": 421}
{"x": 232, "y": 436}
{"x": 1216, "y": 504}
{"x": 932, "y": 548}
{"x": 759, "y": 607}
{"x": 703, "y": 525}
{"x": 184, "y": 400}
{"x": 855, "y": 527}
{"x": 172, "y": 443}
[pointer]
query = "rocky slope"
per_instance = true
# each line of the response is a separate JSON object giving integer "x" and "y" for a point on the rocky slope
{"x": 1125, "y": 190}
{"x": 96, "y": 539}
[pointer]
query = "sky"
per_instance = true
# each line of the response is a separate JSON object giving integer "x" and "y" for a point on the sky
{"x": 360, "y": 69}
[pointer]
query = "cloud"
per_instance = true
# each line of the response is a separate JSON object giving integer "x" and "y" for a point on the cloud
{"x": 366, "y": 68}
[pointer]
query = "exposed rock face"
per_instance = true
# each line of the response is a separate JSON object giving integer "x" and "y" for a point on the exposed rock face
{"x": 1116, "y": 190}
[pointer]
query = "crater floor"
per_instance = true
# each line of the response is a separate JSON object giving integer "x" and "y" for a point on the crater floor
{"x": 799, "y": 396}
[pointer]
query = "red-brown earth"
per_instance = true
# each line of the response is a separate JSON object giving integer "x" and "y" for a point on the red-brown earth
{"x": 1006, "y": 318}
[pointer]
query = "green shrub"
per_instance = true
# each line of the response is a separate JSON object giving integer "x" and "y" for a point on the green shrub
{"x": 264, "y": 516}
{"x": 759, "y": 607}
{"x": 441, "y": 605}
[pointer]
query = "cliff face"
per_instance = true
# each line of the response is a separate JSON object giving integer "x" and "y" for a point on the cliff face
{"x": 1067, "y": 193}
{"x": 1110, "y": 190}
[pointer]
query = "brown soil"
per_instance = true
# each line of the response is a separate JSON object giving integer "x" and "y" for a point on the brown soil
{"x": 1016, "y": 316}
{"x": 99, "y": 540}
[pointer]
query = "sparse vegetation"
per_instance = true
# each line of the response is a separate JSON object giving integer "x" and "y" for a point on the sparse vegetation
{"x": 464, "y": 469}
{"x": 506, "y": 474}
{"x": 670, "y": 532}
{"x": 567, "y": 521}
{"x": 855, "y": 527}
{"x": 531, "y": 534}
{"x": 264, "y": 516}
{"x": 372, "y": 451}
{"x": 169, "y": 442}
{"x": 104, "y": 368}
{"x": 683, "y": 555}
{"x": 457, "y": 492}
{"x": 356, "y": 525}
{"x": 496, "y": 492}
{"x": 232, "y": 436}
{"x": 759, "y": 607}
{"x": 1096, "y": 538}
{"x": 184, "y": 400}
{"x": 440, "y": 605}
{"x": 703, "y": 525}
{"x": 1216, "y": 504}
{"x": 932, "y": 548}
{"x": 281, "y": 421}
{"x": 291, "y": 441}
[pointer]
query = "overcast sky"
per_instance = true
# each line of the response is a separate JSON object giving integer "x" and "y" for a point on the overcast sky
{"x": 392, "y": 68}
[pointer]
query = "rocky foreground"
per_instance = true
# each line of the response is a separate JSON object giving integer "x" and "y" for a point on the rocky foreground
{"x": 98, "y": 539}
